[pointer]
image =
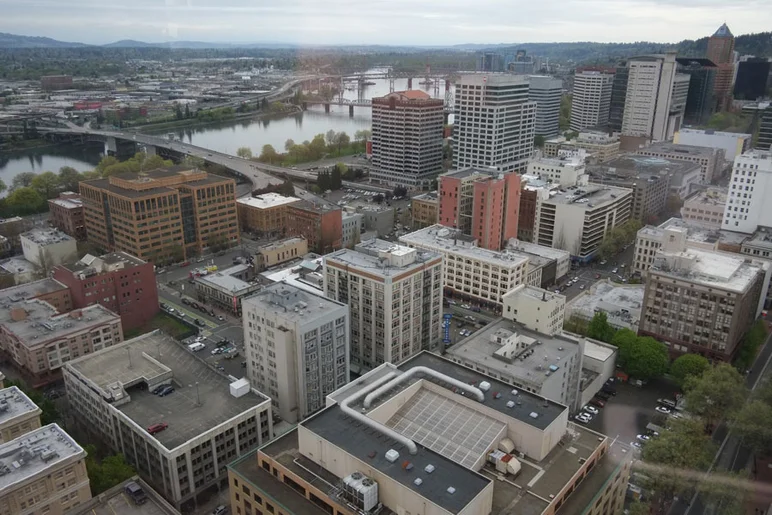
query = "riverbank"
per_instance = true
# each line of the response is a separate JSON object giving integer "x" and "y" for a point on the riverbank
{"x": 193, "y": 123}
{"x": 29, "y": 144}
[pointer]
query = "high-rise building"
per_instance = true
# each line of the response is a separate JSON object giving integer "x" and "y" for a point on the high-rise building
{"x": 161, "y": 215}
{"x": 700, "y": 101}
{"x": 752, "y": 78}
{"x": 750, "y": 189}
{"x": 296, "y": 348}
{"x": 616, "y": 111}
{"x": 490, "y": 62}
{"x": 649, "y": 97}
{"x": 407, "y": 139}
{"x": 547, "y": 92}
{"x": 494, "y": 122}
{"x": 764, "y": 140}
{"x": 394, "y": 295}
{"x": 591, "y": 100}
{"x": 678, "y": 101}
{"x": 721, "y": 52}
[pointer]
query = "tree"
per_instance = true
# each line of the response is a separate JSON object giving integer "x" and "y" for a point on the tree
{"x": 639, "y": 508}
{"x": 22, "y": 180}
{"x": 47, "y": 184}
{"x": 317, "y": 147}
{"x": 538, "y": 141}
{"x": 153, "y": 162}
{"x": 688, "y": 365}
{"x": 112, "y": 471}
{"x": 178, "y": 111}
{"x": 25, "y": 201}
{"x": 750, "y": 344}
{"x": 187, "y": 110}
{"x": 624, "y": 338}
{"x": 727, "y": 491}
{"x": 753, "y": 424}
{"x": 330, "y": 137}
{"x": 3, "y": 187}
{"x": 269, "y": 155}
{"x": 400, "y": 191}
{"x": 194, "y": 161}
{"x": 645, "y": 359}
{"x": 342, "y": 140}
{"x": 119, "y": 168}
{"x": 378, "y": 198}
{"x": 105, "y": 162}
{"x": 69, "y": 178}
{"x": 336, "y": 180}
{"x": 599, "y": 328}
{"x": 244, "y": 152}
{"x": 720, "y": 392}
{"x": 289, "y": 144}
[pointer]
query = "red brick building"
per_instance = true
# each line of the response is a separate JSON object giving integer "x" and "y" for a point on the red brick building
{"x": 67, "y": 214}
{"x": 118, "y": 281}
{"x": 320, "y": 225}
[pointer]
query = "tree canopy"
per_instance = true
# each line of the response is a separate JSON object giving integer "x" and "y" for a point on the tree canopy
{"x": 244, "y": 152}
{"x": 646, "y": 359}
{"x": 720, "y": 392}
{"x": 688, "y": 365}
{"x": 599, "y": 328}
{"x": 104, "y": 475}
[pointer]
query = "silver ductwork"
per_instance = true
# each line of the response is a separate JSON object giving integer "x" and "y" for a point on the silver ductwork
{"x": 373, "y": 395}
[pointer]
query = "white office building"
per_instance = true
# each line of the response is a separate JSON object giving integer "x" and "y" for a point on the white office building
{"x": 494, "y": 122}
{"x": 564, "y": 171}
{"x": 546, "y": 91}
{"x": 296, "y": 347}
{"x": 733, "y": 144}
{"x": 537, "y": 309}
{"x": 649, "y": 97}
{"x": 750, "y": 189}
{"x": 591, "y": 99}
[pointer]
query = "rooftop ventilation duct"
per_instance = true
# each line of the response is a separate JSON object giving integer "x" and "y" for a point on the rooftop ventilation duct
{"x": 372, "y": 396}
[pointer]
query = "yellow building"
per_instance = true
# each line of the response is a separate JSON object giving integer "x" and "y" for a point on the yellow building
{"x": 18, "y": 414}
{"x": 280, "y": 252}
{"x": 424, "y": 209}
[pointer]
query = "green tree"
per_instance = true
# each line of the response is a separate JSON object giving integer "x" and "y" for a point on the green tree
{"x": 336, "y": 180}
{"x": 120, "y": 168}
{"x": 269, "y": 155}
{"x": 646, "y": 359}
{"x": 244, "y": 152}
{"x": 538, "y": 141}
{"x": 599, "y": 328}
{"x": 153, "y": 162}
{"x": 178, "y": 111}
{"x": 329, "y": 137}
{"x": 112, "y": 471}
{"x": 25, "y": 201}
{"x": 3, "y": 187}
{"x": 47, "y": 184}
{"x": 193, "y": 161}
{"x": 69, "y": 178}
{"x": 23, "y": 180}
{"x": 289, "y": 144}
{"x": 719, "y": 393}
{"x": 750, "y": 344}
{"x": 624, "y": 338}
{"x": 727, "y": 491}
{"x": 105, "y": 162}
{"x": 753, "y": 424}
{"x": 342, "y": 140}
{"x": 639, "y": 508}
{"x": 187, "y": 110}
{"x": 317, "y": 147}
{"x": 688, "y": 365}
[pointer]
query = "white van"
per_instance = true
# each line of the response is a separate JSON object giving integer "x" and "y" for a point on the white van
{"x": 195, "y": 347}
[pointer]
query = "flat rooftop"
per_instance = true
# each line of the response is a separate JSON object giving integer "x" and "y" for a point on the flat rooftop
{"x": 46, "y": 236}
{"x": 226, "y": 280}
{"x": 589, "y": 196}
{"x": 368, "y": 258}
{"x": 677, "y": 149}
{"x": 17, "y": 265}
{"x": 298, "y": 276}
{"x": 116, "y": 502}
{"x": 266, "y": 201}
{"x": 156, "y": 358}
{"x": 104, "y": 184}
{"x": 289, "y": 299}
{"x": 429, "y": 196}
{"x": 538, "y": 250}
{"x": 529, "y": 367}
{"x": 14, "y": 403}
{"x": 711, "y": 268}
{"x": 711, "y": 197}
{"x": 280, "y": 244}
{"x": 694, "y": 233}
{"x": 634, "y": 166}
{"x": 67, "y": 203}
{"x": 103, "y": 263}
{"x": 29, "y": 291}
{"x": 38, "y": 450}
{"x": 712, "y": 132}
{"x": 611, "y": 299}
{"x": 470, "y": 172}
{"x": 761, "y": 239}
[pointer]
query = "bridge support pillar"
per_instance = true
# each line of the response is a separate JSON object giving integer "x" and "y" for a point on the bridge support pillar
{"x": 351, "y": 110}
{"x": 111, "y": 146}
{"x": 150, "y": 150}
{"x": 304, "y": 106}
{"x": 326, "y": 108}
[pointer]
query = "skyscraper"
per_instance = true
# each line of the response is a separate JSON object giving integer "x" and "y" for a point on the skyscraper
{"x": 591, "y": 100}
{"x": 618, "y": 97}
{"x": 752, "y": 79}
{"x": 494, "y": 122}
{"x": 546, "y": 92}
{"x": 407, "y": 139}
{"x": 648, "y": 100}
{"x": 721, "y": 52}
{"x": 700, "y": 101}
{"x": 749, "y": 191}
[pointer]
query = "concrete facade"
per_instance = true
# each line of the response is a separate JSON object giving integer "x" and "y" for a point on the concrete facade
{"x": 18, "y": 414}
{"x": 547, "y": 92}
{"x": 279, "y": 252}
{"x": 351, "y": 228}
{"x": 591, "y": 99}
{"x": 733, "y": 144}
{"x": 750, "y": 188}
{"x": 649, "y": 96}
{"x": 264, "y": 214}
{"x": 47, "y": 248}
{"x": 706, "y": 208}
{"x": 711, "y": 160}
{"x": 535, "y": 309}
{"x": 424, "y": 209}
{"x": 649, "y": 240}
{"x": 563, "y": 171}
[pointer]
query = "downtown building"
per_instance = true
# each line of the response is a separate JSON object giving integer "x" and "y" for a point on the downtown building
{"x": 721, "y": 53}
{"x": 700, "y": 101}
{"x": 407, "y": 132}
{"x": 591, "y": 100}
{"x": 599, "y": 146}
{"x": 750, "y": 189}
{"x": 66, "y": 214}
{"x": 394, "y": 294}
{"x": 732, "y": 143}
{"x": 494, "y": 122}
{"x": 711, "y": 160}
{"x": 547, "y": 92}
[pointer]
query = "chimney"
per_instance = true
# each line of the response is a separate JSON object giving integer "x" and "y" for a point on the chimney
{"x": 18, "y": 314}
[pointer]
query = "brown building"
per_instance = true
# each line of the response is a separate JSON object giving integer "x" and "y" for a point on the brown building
{"x": 43, "y": 472}
{"x": 721, "y": 52}
{"x": 264, "y": 214}
{"x": 424, "y": 209}
{"x": 320, "y": 224}
{"x": 67, "y": 214}
{"x": 18, "y": 414}
{"x": 527, "y": 214}
{"x": 164, "y": 215}
{"x": 54, "y": 82}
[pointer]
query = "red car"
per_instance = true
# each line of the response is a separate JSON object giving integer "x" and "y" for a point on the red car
{"x": 597, "y": 402}
{"x": 185, "y": 263}
{"x": 157, "y": 428}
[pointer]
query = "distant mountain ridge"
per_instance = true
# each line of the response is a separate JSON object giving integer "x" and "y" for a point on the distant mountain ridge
{"x": 16, "y": 41}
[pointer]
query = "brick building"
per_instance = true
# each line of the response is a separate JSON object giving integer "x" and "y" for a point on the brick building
{"x": 320, "y": 224}
{"x": 424, "y": 209}
{"x": 264, "y": 214}
{"x": 66, "y": 214}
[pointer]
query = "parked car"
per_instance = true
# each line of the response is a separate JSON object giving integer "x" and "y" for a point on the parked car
{"x": 158, "y": 389}
{"x": 166, "y": 391}
{"x": 164, "y": 305}
{"x": 211, "y": 312}
{"x": 591, "y": 409}
{"x": 220, "y": 510}
{"x": 186, "y": 302}
{"x": 582, "y": 418}
{"x": 194, "y": 305}
{"x": 637, "y": 445}
{"x": 199, "y": 322}
{"x": 157, "y": 428}
{"x": 642, "y": 438}
{"x": 217, "y": 350}
{"x": 603, "y": 395}
{"x": 465, "y": 306}
{"x": 663, "y": 409}
{"x": 597, "y": 402}
{"x": 669, "y": 403}
{"x": 135, "y": 493}
{"x": 476, "y": 309}
{"x": 614, "y": 270}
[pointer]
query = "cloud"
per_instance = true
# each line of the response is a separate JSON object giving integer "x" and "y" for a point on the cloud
{"x": 396, "y": 22}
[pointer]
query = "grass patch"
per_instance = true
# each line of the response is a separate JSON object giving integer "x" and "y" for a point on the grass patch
{"x": 166, "y": 323}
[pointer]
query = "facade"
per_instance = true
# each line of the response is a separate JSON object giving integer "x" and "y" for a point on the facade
{"x": 210, "y": 422}
{"x": 577, "y": 220}
{"x": 598, "y": 146}
{"x": 394, "y": 295}
{"x": 622, "y": 304}
{"x": 591, "y": 100}
{"x": 118, "y": 281}
{"x": 700, "y": 102}
{"x": 547, "y": 92}
{"x": 407, "y": 139}
{"x": 164, "y": 215}
{"x": 536, "y": 309}
{"x": 18, "y": 414}
{"x": 649, "y": 97}
{"x": 11, "y": 229}
{"x": 279, "y": 252}
{"x": 320, "y": 224}
{"x": 66, "y": 214}
{"x": 55, "y": 82}
{"x": 500, "y": 104}
{"x": 424, "y": 209}
{"x": 264, "y": 214}
{"x": 44, "y": 471}
{"x": 649, "y": 240}
{"x": 711, "y": 160}
{"x": 226, "y": 288}
{"x": 47, "y": 248}
{"x": 563, "y": 171}
{"x": 764, "y": 140}
{"x": 721, "y": 52}
{"x": 375, "y": 217}
{"x": 328, "y": 464}
{"x": 351, "y": 229}
{"x": 560, "y": 260}
{"x": 752, "y": 79}
{"x": 750, "y": 188}
{"x": 481, "y": 203}
{"x": 733, "y": 144}
{"x": 699, "y": 301}
{"x": 759, "y": 247}
{"x": 618, "y": 97}
{"x": 706, "y": 208}
{"x": 296, "y": 347}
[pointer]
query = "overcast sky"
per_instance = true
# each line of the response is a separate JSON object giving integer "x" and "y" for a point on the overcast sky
{"x": 392, "y": 22}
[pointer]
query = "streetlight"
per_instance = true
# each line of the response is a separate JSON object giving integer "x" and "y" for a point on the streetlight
{"x": 198, "y": 399}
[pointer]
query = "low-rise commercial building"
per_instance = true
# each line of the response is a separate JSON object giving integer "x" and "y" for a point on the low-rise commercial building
{"x": 424, "y": 209}
{"x": 66, "y": 214}
{"x": 319, "y": 223}
{"x": 563, "y": 171}
{"x": 43, "y": 471}
{"x": 18, "y": 270}
{"x": 12, "y": 228}
{"x": 48, "y": 290}
{"x": 599, "y": 146}
{"x": 47, "y": 248}
{"x": 732, "y": 143}
{"x": 351, "y": 228}
{"x": 622, "y": 304}
{"x": 226, "y": 288}
{"x": 711, "y": 160}
{"x": 306, "y": 275}
{"x": 705, "y": 208}
{"x": 18, "y": 414}
{"x": 649, "y": 240}
{"x": 296, "y": 347}
{"x": 279, "y": 252}
{"x": 535, "y": 309}
{"x": 264, "y": 214}
{"x": 377, "y": 218}
{"x": 205, "y": 424}
{"x": 560, "y": 258}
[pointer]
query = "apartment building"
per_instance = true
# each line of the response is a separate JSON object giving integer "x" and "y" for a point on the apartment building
{"x": 40, "y": 341}
{"x": 278, "y": 252}
{"x": 407, "y": 132}
{"x": 648, "y": 99}
{"x": 425, "y": 209}
{"x": 591, "y": 99}
{"x": 706, "y": 208}
{"x": 66, "y": 214}
{"x": 700, "y": 102}
{"x": 118, "y": 281}
{"x": 264, "y": 214}
{"x": 711, "y": 160}
{"x": 43, "y": 471}
{"x": 750, "y": 189}
{"x": 699, "y": 301}
{"x": 163, "y": 215}
{"x": 321, "y": 224}
{"x": 482, "y": 203}
{"x": 494, "y": 122}
{"x": 226, "y": 289}
{"x": 547, "y": 92}
{"x": 563, "y": 171}
{"x": 351, "y": 229}
{"x": 578, "y": 219}
{"x": 209, "y": 420}
{"x": 18, "y": 414}
{"x": 296, "y": 346}
{"x": 535, "y": 309}
{"x": 47, "y": 248}
{"x": 328, "y": 464}
{"x": 394, "y": 295}
{"x": 733, "y": 144}
{"x": 649, "y": 240}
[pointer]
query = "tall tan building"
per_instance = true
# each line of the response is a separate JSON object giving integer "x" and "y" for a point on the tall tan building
{"x": 18, "y": 414}
{"x": 43, "y": 472}
{"x": 162, "y": 215}
{"x": 721, "y": 52}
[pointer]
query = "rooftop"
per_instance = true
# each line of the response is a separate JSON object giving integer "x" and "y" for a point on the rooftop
{"x": 429, "y": 196}
{"x": 14, "y": 403}
{"x": 104, "y": 184}
{"x": 226, "y": 279}
{"x": 29, "y": 291}
{"x": 280, "y": 244}
{"x": 715, "y": 269}
{"x": 680, "y": 150}
{"x": 713, "y": 196}
{"x": 34, "y": 452}
{"x": 633, "y": 166}
{"x": 266, "y": 200}
{"x": 46, "y": 236}
{"x": 538, "y": 250}
{"x": 588, "y": 197}
{"x": 116, "y": 502}
{"x": 287, "y": 298}
{"x": 622, "y": 304}
{"x": 123, "y": 374}
{"x": 761, "y": 239}
{"x": 89, "y": 264}
{"x": 694, "y": 234}
{"x": 68, "y": 203}
{"x": 17, "y": 265}
{"x": 713, "y": 132}
{"x": 382, "y": 258}
{"x": 298, "y": 275}
{"x": 470, "y": 172}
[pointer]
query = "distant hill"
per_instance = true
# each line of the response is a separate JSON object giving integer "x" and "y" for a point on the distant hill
{"x": 15, "y": 41}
